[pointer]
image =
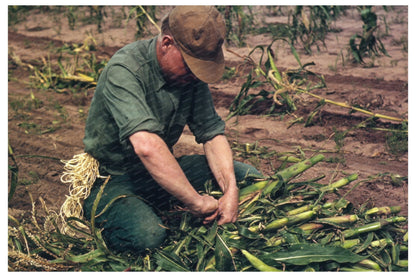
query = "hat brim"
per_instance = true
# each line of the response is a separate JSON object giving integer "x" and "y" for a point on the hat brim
{"x": 208, "y": 71}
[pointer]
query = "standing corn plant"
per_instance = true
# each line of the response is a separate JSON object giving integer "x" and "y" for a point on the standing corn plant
{"x": 238, "y": 23}
{"x": 311, "y": 24}
{"x": 97, "y": 14}
{"x": 368, "y": 43}
{"x": 142, "y": 15}
{"x": 71, "y": 13}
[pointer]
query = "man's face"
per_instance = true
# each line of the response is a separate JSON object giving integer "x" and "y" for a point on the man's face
{"x": 174, "y": 67}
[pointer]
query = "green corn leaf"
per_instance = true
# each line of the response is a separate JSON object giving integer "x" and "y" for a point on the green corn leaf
{"x": 212, "y": 233}
{"x": 14, "y": 170}
{"x": 223, "y": 257}
{"x": 169, "y": 262}
{"x": 182, "y": 244}
{"x": 96, "y": 255}
{"x": 245, "y": 232}
{"x": 395, "y": 253}
{"x": 304, "y": 254}
{"x": 366, "y": 243}
{"x": 295, "y": 54}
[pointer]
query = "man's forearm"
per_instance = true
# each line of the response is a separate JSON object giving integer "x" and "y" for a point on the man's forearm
{"x": 220, "y": 160}
{"x": 163, "y": 167}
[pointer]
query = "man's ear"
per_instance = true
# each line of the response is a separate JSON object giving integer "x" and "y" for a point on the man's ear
{"x": 167, "y": 42}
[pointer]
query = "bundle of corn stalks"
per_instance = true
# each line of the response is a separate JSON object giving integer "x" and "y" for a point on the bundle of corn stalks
{"x": 284, "y": 225}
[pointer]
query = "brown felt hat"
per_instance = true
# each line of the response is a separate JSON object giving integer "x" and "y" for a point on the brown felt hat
{"x": 200, "y": 31}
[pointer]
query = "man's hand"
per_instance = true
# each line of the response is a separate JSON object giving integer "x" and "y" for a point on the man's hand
{"x": 227, "y": 211}
{"x": 204, "y": 205}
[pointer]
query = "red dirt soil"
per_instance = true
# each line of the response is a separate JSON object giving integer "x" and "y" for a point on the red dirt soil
{"x": 58, "y": 122}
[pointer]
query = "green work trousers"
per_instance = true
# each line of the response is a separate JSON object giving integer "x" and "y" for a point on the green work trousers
{"x": 131, "y": 223}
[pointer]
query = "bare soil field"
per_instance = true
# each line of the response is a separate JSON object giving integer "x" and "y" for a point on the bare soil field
{"x": 45, "y": 127}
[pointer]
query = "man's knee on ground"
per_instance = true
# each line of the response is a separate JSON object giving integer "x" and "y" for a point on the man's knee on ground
{"x": 131, "y": 225}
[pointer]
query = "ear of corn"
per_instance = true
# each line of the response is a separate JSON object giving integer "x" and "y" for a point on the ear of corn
{"x": 281, "y": 222}
{"x": 383, "y": 210}
{"x": 257, "y": 263}
{"x": 339, "y": 219}
{"x": 372, "y": 226}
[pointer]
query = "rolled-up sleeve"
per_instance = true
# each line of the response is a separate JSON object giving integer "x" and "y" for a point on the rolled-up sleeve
{"x": 205, "y": 123}
{"x": 125, "y": 98}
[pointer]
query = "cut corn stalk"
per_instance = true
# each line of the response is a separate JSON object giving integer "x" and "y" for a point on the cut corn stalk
{"x": 286, "y": 221}
{"x": 294, "y": 170}
{"x": 340, "y": 183}
{"x": 384, "y": 210}
{"x": 290, "y": 159}
{"x": 347, "y": 243}
{"x": 339, "y": 219}
{"x": 369, "y": 264}
{"x": 403, "y": 263}
{"x": 300, "y": 210}
{"x": 270, "y": 186}
{"x": 266, "y": 186}
{"x": 309, "y": 227}
{"x": 376, "y": 115}
{"x": 257, "y": 263}
{"x": 253, "y": 188}
{"x": 381, "y": 242}
{"x": 372, "y": 226}
{"x": 275, "y": 241}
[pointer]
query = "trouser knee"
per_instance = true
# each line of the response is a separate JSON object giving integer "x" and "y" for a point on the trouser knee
{"x": 128, "y": 224}
{"x": 131, "y": 225}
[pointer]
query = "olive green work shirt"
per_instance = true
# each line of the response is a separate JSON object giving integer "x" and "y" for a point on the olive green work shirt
{"x": 131, "y": 96}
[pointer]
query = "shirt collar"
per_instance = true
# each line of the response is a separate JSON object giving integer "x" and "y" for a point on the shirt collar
{"x": 155, "y": 67}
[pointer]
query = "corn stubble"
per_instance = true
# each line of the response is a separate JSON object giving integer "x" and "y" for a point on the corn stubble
{"x": 284, "y": 224}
